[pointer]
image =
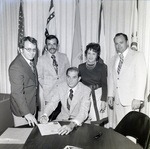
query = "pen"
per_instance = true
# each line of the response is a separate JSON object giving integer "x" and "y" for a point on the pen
{"x": 98, "y": 135}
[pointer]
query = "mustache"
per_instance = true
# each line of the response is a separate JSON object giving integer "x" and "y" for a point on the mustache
{"x": 51, "y": 49}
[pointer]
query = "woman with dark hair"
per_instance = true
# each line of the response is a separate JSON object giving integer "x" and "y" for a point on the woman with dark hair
{"x": 94, "y": 74}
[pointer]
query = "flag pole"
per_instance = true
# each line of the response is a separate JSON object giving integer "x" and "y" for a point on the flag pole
{"x": 20, "y": 25}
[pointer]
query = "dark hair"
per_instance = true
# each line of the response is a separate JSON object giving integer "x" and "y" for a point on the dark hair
{"x": 119, "y": 34}
{"x": 95, "y": 47}
{"x": 49, "y": 37}
{"x": 30, "y": 39}
{"x": 72, "y": 69}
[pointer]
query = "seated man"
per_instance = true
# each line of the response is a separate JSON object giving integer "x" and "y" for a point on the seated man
{"x": 75, "y": 100}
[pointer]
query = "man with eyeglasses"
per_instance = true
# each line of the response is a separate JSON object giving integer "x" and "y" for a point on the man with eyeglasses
{"x": 51, "y": 67}
{"x": 24, "y": 84}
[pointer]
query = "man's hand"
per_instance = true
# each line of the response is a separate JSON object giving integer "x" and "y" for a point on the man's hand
{"x": 136, "y": 104}
{"x": 111, "y": 101}
{"x": 44, "y": 119}
{"x": 31, "y": 119}
{"x": 66, "y": 129}
{"x": 103, "y": 107}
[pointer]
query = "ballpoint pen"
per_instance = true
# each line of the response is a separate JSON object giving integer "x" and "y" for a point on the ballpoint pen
{"x": 98, "y": 135}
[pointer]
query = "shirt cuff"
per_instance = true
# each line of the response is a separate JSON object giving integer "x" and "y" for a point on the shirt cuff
{"x": 77, "y": 122}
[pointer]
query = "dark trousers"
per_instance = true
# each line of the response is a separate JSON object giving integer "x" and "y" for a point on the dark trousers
{"x": 55, "y": 113}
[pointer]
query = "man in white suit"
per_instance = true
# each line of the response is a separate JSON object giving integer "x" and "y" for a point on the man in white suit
{"x": 51, "y": 67}
{"x": 74, "y": 108}
{"x": 127, "y": 81}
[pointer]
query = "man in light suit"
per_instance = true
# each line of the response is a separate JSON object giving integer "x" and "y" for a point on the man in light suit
{"x": 126, "y": 85}
{"x": 24, "y": 84}
{"x": 49, "y": 75}
{"x": 74, "y": 108}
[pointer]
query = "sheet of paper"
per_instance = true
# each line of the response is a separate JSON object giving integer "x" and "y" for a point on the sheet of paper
{"x": 49, "y": 128}
{"x": 15, "y": 135}
{"x": 72, "y": 147}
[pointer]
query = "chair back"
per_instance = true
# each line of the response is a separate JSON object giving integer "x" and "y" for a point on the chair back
{"x": 137, "y": 125}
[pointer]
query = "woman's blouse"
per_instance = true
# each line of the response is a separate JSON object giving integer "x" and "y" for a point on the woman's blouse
{"x": 96, "y": 76}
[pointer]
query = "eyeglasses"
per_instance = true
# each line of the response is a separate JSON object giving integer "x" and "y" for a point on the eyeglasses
{"x": 30, "y": 50}
{"x": 53, "y": 44}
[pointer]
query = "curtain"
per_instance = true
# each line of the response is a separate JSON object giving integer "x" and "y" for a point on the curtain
{"x": 144, "y": 45}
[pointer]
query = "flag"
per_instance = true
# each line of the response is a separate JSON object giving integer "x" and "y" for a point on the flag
{"x": 77, "y": 56}
{"x": 134, "y": 26}
{"x": 101, "y": 32}
{"x": 51, "y": 22}
{"x": 20, "y": 25}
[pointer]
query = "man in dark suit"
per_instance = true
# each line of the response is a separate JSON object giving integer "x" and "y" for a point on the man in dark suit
{"x": 24, "y": 84}
{"x": 75, "y": 99}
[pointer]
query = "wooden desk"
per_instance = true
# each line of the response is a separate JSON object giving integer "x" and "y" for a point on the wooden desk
{"x": 81, "y": 137}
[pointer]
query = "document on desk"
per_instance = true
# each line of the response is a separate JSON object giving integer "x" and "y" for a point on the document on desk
{"x": 49, "y": 128}
{"x": 72, "y": 147}
{"x": 15, "y": 135}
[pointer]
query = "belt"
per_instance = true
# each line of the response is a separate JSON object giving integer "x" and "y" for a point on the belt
{"x": 95, "y": 86}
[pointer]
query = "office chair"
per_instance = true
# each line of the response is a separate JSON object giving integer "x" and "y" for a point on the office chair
{"x": 137, "y": 125}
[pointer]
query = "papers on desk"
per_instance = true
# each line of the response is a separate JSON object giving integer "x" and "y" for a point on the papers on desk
{"x": 15, "y": 135}
{"x": 49, "y": 129}
{"x": 72, "y": 147}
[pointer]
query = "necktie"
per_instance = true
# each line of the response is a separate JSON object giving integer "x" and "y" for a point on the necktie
{"x": 120, "y": 63}
{"x": 69, "y": 99}
{"x": 32, "y": 66}
{"x": 55, "y": 63}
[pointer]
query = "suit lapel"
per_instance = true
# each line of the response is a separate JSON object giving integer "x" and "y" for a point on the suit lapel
{"x": 127, "y": 61}
{"x": 114, "y": 65}
{"x": 27, "y": 69}
{"x": 60, "y": 62}
{"x": 64, "y": 96}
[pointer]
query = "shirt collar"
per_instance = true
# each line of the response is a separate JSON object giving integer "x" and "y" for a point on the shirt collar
{"x": 28, "y": 61}
{"x": 53, "y": 54}
{"x": 124, "y": 53}
{"x": 74, "y": 89}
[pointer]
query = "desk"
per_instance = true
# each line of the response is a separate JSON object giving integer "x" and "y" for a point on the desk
{"x": 81, "y": 137}
{"x": 6, "y": 118}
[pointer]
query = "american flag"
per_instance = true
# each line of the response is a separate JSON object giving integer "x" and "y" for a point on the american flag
{"x": 134, "y": 25}
{"x": 51, "y": 23}
{"x": 20, "y": 24}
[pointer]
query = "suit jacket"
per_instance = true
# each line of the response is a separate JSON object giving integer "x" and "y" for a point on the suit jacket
{"x": 24, "y": 85}
{"x": 130, "y": 83}
{"x": 47, "y": 76}
{"x": 80, "y": 103}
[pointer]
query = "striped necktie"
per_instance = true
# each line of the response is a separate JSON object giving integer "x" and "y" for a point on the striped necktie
{"x": 55, "y": 63}
{"x": 32, "y": 66}
{"x": 69, "y": 99}
{"x": 120, "y": 63}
